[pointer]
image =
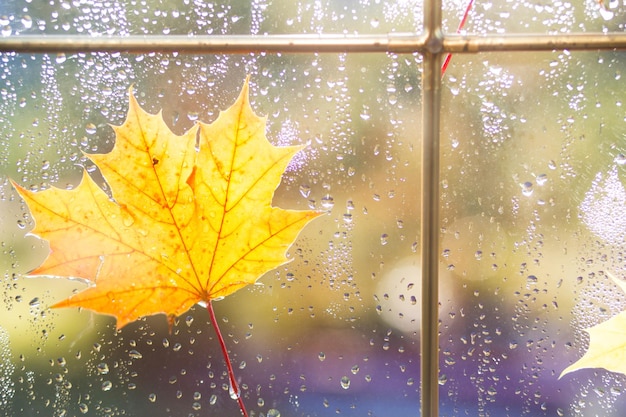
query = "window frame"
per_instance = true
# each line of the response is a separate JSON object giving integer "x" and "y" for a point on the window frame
{"x": 431, "y": 42}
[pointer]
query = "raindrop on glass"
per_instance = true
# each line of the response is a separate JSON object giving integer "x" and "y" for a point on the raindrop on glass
{"x": 527, "y": 188}
{"x": 305, "y": 190}
{"x": 102, "y": 368}
{"x": 327, "y": 201}
{"x": 90, "y": 128}
{"x": 135, "y": 354}
{"x": 541, "y": 179}
{"x": 27, "y": 21}
{"x": 231, "y": 391}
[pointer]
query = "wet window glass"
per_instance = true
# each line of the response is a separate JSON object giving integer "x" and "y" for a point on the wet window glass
{"x": 532, "y": 221}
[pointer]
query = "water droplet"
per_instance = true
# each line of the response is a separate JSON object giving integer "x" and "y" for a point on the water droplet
{"x": 27, "y": 21}
{"x": 60, "y": 58}
{"x": 135, "y": 354}
{"x": 541, "y": 179}
{"x": 527, "y": 188}
{"x": 355, "y": 369}
{"x": 6, "y": 30}
{"x": 152, "y": 397}
{"x": 90, "y": 128}
{"x": 345, "y": 382}
{"x": 374, "y": 23}
{"x": 196, "y": 406}
{"x": 321, "y": 356}
{"x": 21, "y": 224}
{"x": 305, "y": 190}
{"x": 102, "y": 368}
{"x": 530, "y": 281}
{"x": 34, "y": 302}
{"x": 188, "y": 320}
{"x": 606, "y": 13}
{"x": 478, "y": 255}
{"x": 272, "y": 412}
{"x": 620, "y": 159}
{"x": 233, "y": 394}
{"x": 107, "y": 385}
{"x": 384, "y": 239}
{"x": 327, "y": 201}
{"x": 213, "y": 399}
{"x": 82, "y": 407}
{"x": 260, "y": 402}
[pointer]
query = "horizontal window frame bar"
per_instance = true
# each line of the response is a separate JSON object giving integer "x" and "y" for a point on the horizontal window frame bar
{"x": 400, "y": 43}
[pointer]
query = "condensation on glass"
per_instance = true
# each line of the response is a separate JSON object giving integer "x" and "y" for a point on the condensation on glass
{"x": 533, "y": 230}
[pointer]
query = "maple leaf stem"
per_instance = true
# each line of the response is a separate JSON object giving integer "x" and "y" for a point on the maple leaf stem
{"x": 231, "y": 374}
{"x": 446, "y": 61}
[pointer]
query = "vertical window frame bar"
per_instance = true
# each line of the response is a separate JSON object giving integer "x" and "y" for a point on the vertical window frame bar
{"x": 429, "y": 193}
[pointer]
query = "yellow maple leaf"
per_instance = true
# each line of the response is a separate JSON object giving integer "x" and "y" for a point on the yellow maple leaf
{"x": 607, "y": 343}
{"x": 189, "y": 222}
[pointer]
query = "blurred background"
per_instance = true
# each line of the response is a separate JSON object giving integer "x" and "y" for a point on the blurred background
{"x": 532, "y": 215}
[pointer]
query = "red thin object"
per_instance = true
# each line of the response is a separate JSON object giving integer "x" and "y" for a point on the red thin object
{"x": 231, "y": 374}
{"x": 446, "y": 61}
